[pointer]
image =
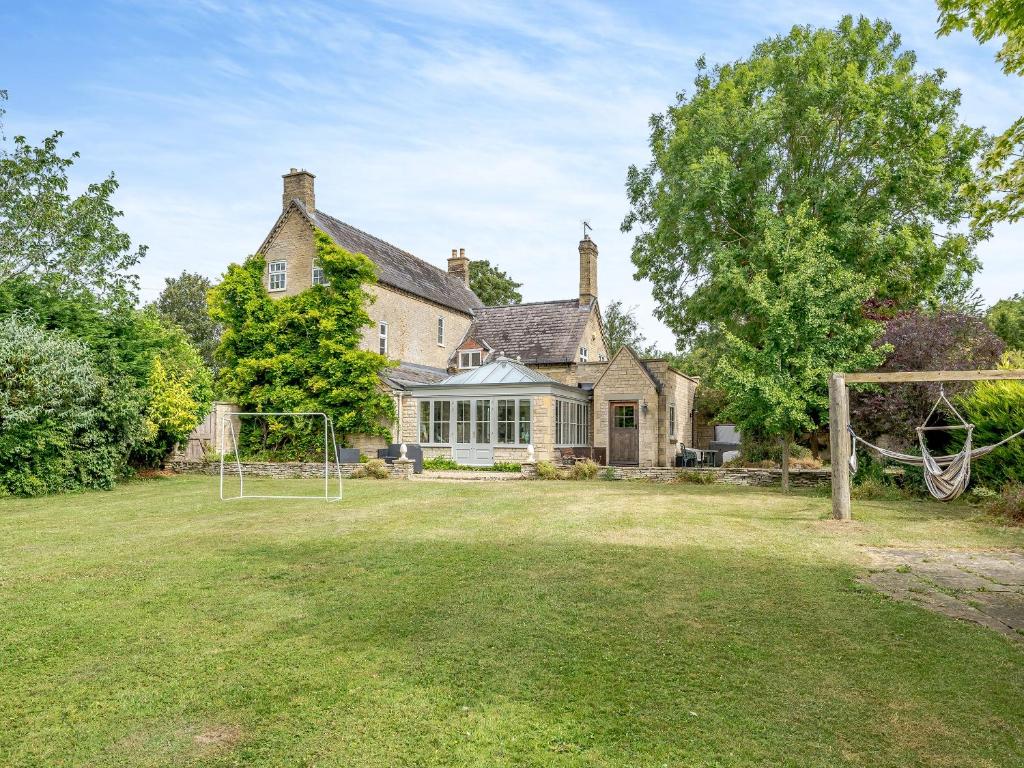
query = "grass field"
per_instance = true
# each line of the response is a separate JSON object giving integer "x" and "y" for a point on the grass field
{"x": 423, "y": 624}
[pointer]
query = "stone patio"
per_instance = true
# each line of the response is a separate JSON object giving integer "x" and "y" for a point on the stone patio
{"x": 985, "y": 587}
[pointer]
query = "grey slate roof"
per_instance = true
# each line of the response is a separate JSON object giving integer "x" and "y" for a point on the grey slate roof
{"x": 398, "y": 268}
{"x": 539, "y": 333}
{"x": 405, "y": 374}
{"x": 500, "y": 371}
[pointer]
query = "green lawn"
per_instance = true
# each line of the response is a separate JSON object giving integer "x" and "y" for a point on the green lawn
{"x": 555, "y": 624}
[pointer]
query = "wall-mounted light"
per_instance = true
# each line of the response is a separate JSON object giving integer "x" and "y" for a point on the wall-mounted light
{"x": 643, "y": 408}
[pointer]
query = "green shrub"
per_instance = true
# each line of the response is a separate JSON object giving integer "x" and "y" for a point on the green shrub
{"x": 378, "y": 468}
{"x": 583, "y": 470}
{"x": 996, "y": 408}
{"x": 546, "y": 470}
{"x": 440, "y": 462}
{"x": 505, "y": 466}
{"x": 695, "y": 477}
{"x": 1008, "y": 504}
{"x": 608, "y": 474}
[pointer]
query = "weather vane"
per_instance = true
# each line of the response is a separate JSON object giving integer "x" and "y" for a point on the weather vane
{"x": 586, "y": 226}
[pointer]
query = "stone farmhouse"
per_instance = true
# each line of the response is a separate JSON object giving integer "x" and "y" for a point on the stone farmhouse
{"x": 480, "y": 384}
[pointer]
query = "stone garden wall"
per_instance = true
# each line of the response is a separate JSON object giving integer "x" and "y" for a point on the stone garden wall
{"x": 759, "y": 478}
{"x": 285, "y": 469}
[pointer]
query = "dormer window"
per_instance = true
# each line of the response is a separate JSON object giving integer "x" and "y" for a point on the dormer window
{"x": 583, "y": 354}
{"x": 278, "y": 275}
{"x": 470, "y": 359}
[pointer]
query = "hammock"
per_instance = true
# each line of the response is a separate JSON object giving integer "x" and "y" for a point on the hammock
{"x": 945, "y": 476}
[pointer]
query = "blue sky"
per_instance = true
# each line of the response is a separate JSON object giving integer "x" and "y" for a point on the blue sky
{"x": 492, "y": 126}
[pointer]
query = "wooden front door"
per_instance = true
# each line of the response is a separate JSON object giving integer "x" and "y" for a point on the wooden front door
{"x": 623, "y": 433}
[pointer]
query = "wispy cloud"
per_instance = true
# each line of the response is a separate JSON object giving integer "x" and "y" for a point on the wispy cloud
{"x": 496, "y": 126}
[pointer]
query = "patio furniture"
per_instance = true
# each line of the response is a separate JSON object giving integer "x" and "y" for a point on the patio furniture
{"x": 686, "y": 458}
{"x": 413, "y": 451}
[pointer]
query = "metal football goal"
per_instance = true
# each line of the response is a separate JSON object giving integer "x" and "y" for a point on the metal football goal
{"x": 230, "y": 439}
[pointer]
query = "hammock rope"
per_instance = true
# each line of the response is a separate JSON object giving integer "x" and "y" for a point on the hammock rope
{"x": 946, "y": 477}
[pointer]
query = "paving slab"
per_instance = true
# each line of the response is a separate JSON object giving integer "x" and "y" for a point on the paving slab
{"x": 983, "y": 587}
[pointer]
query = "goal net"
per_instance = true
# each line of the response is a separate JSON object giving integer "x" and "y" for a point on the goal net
{"x": 249, "y": 439}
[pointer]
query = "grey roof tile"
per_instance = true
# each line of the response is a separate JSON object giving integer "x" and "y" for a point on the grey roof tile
{"x": 543, "y": 332}
{"x": 398, "y": 268}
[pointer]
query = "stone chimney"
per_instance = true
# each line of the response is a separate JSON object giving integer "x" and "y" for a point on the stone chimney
{"x": 298, "y": 185}
{"x": 588, "y": 270}
{"x": 458, "y": 265}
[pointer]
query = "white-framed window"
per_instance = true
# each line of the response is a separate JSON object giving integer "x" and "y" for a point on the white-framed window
{"x": 318, "y": 275}
{"x": 583, "y": 354}
{"x": 483, "y": 422}
{"x": 525, "y": 421}
{"x": 382, "y": 335}
{"x": 572, "y": 423}
{"x": 470, "y": 359}
{"x": 278, "y": 271}
{"x": 506, "y": 421}
{"x": 440, "y": 331}
{"x": 602, "y": 357}
{"x": 671, "y": 420}
{"x": 435, "y": 421}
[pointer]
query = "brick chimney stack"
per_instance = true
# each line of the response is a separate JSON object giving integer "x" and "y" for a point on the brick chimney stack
{"x": 588, "y": 270}
{"x": 458, "y": 265}
{"x": 298, "y": 185}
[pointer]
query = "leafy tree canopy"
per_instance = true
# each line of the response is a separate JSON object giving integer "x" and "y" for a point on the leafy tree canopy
{"x": 44, "y": 230}
{"x": 803, "y": 321}
{"x": 300, "y": 353}
{"x": 920, "y": 342}
{"x": 1001, "y": 190}
{"x": 1006, "y": 319}
{"x": 837, "y": 120}
{"x": 493, "y": 286}
{"x": 183, "y": 302}
{"x": 622, "y": 330}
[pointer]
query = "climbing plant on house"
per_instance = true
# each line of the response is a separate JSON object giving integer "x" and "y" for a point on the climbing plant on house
{"x": 301, "y": 353}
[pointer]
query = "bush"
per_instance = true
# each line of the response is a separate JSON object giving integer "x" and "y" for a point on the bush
{"x": 695, "y": 477}
{"x": 440, "y": 462}
{"x": 583, "y": 470}
{"x": 546, "y": 470}
{"x": 1009, "y": 504}
{"x": 378, "y": 468}
{"x": 49, "y": 389}
{"x": 996, "y": 408}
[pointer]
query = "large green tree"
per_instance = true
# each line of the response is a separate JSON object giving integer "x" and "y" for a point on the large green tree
{"x": 301, "y": 353}
{"x": 183, "y": 302}
{"x": 803, "y": 320}
{"x": 1006, "y": 319}
{"x": 492, "y": 285}
{"x": 837, "y": 119}
{"x": 622, "y": 330}
{"x": 1002, "y": 186}
{"x": 45, "y": 231}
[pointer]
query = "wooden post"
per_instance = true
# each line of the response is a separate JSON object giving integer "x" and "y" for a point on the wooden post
{"x": 838, "y": 419}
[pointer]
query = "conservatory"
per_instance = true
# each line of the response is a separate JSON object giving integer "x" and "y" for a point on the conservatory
{"x": 493, "y": 412}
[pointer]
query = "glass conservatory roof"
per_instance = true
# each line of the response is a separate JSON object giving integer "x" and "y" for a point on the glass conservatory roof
{"x": 500, "y": 371}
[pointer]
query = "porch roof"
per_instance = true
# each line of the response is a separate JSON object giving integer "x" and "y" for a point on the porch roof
{"x": 501, "y": 375}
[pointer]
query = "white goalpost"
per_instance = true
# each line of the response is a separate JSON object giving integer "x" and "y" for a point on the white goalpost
{"x": 330, "y": 454}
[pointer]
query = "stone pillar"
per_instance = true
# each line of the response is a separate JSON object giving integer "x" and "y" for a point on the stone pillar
{"x": 403, "y": 464}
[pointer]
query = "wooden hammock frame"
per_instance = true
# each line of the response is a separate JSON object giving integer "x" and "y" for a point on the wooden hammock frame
{"x": 839, "y": 417}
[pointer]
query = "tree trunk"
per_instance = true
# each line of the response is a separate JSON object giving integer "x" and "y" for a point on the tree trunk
{"x": 815, "y": 444}
{"x": 786, "y": 440}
